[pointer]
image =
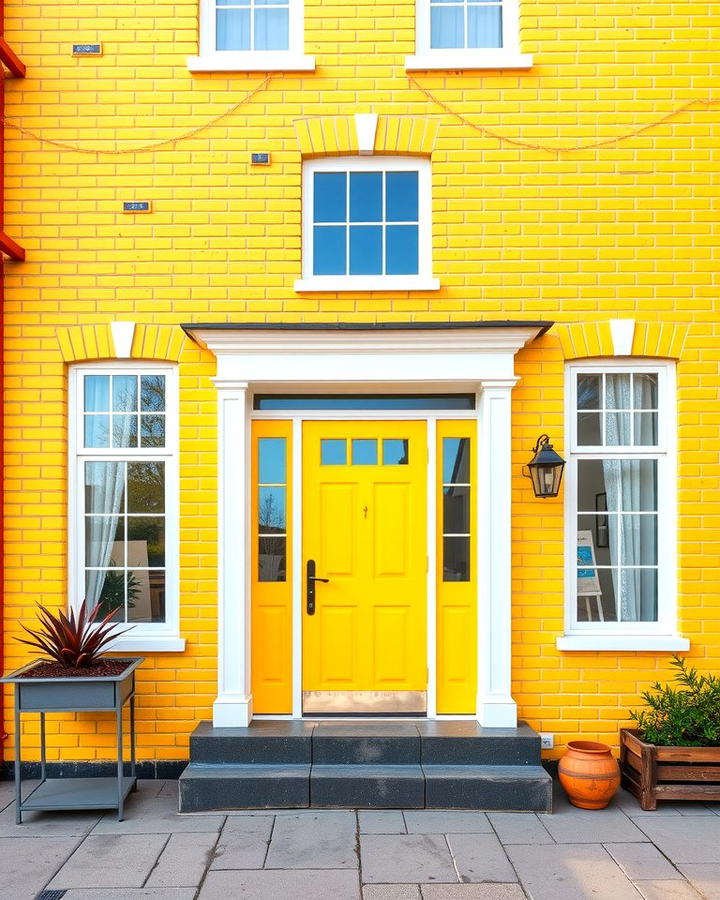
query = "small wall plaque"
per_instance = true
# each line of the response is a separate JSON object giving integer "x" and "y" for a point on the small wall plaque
{"x": 87, "y": 50}
{"x": 137, "y": 206}
{"x": 260, "y": 159}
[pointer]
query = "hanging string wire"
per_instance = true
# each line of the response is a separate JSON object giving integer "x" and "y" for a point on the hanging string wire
{"x": 606, "y": 142}
{"x": 63, "y": 145}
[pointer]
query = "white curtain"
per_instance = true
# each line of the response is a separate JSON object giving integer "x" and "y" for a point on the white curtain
{"x": 630, "y": 486}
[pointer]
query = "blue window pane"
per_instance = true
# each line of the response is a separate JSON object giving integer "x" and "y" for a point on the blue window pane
{"x": 447, "y": 29}
{"x": 271, "y": 510}
{"x": 233, "y": 29}
{"x": 329, "y": 197}
{"x": 401, "y": 250}
{"x": 484, "y": 26}
{"x": 271, "y": 29}
{"x": 271, "y": 461}
{"x": 333, "y": 452}
{"x": 402, "y": 197}
{"x": 395, "y": 452}
{"x": 124, "y": 393}
{"x": 366, "y": 197}
{"x": 232, "y": 2}
{"x": 124, "y": 431}
{"x": 364, "y": 452}
{"x": 152, "y": 393}
{"x": 366, "y": 249}
{"x": 97, "y": 393}
{"x": 329, "y": 250}
{"x": 271, "y": 2}
{"x": 456, "y": 460}
{"x": 97, "y": 431}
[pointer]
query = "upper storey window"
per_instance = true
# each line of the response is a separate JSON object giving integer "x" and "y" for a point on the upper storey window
{"x": 251, "y": 36}
{"x": 468, "y": 34}
{"x": 366, "y": 225}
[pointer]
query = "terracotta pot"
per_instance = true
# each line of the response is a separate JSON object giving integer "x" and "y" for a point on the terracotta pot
{"x": 590, "y": 774}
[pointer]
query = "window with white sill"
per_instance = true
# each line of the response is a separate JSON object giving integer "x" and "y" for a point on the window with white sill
{"x": 366, "y": 224}
{"x": 124, "y": 499}
{"x": 620, "y": 502}
{"x": 457, "y": 34}
{"x": 251, "y": 35}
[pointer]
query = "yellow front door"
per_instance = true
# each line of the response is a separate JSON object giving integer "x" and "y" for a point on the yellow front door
{"x": 365, "y": 530}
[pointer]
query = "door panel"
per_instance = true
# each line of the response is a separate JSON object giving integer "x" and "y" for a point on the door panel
{"x": 364, "y": 524}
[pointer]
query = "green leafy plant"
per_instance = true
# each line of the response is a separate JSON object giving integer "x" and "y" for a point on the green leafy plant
{"x": 112, "y": 596}
{"x": 74, "y": 641}
{"x": 684, "y": 716}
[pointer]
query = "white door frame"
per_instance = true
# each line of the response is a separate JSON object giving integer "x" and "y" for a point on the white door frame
{"x": 476, "y": 357}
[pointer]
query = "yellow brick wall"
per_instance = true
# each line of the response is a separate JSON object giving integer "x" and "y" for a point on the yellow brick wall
{"x": 623, "y": 230}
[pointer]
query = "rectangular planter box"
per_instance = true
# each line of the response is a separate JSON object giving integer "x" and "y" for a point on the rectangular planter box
{"x": 668, "y": 773}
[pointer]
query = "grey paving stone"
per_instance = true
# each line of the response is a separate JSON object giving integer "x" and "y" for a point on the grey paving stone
{"x": 183, "y": 861}
{"x": 154, "y": 787}
{"x": 446, "y": 821}
{"x": 642, "y": 861}
{"x": 667, "y": 890}
{"x": 391, "y": 892}
{"x": 569, "y": 872}
{"x": 42, "y": 824}
{"x": 320, "y": 841}
{"x": 630, "y": 805}
{"x": 519, "y": 828}
{"x": 111, "y": 860}
{"x": 383, "y": 821}
{"x": 27, "y": 864}
{"x": 157, "y": 816}
{"x": 705, "y": 877}
{"x": 685, "y": 839}
{"x": 472, "y": 892}
{"x": 480, "y": 857}
{"x": 406, "y": 858}
{"x": 243, "y": 843}
{"x": 132, "y": 894}
{"x": 7, "y": 793}
{"x": 272, "y": 885}
{"x": 596, "y": 826}
{"x": 692, "y": 809}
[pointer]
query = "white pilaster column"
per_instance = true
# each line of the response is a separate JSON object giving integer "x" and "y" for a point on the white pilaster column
{"x": 495, "y": 705}
{"x": 233, "y": 706}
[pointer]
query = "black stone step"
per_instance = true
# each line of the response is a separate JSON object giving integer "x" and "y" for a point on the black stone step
{"x": 509, "y": 788}
{"x": 367, "y": 786}
{"x": 252, "y": 786}
{"x": 279, "y": 742}
{"x": 381, "y": 743}
{"x": 466, "y": 743}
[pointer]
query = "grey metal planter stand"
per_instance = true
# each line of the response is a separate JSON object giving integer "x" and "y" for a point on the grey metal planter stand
{"x": 100, "y": 694}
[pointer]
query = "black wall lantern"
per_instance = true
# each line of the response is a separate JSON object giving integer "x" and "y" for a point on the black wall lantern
{"x": 545, "y": 468}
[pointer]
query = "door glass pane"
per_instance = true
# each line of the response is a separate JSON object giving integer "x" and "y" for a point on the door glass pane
{"x": 271, "y": 510}
{"x": 272, "y": 561}
{"x": 333, "y": 452}
{"x": 271, "y": 460}
{"x": 456, "y": 559}
{"x": 365, "y": 401}
{"x": 364, "y": 452}
{"x": 456, "y": 510}
{"x": 456, "y": 461}
{"x": 395, "y": 452}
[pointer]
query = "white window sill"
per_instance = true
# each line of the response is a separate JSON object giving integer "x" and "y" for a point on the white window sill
{"x": 335, "y": 283}
{"x": 258, "y": 61}
{"x": 462, "y": 59}
{"x": 667, "y": 643}
{"x": 147, "y": 643}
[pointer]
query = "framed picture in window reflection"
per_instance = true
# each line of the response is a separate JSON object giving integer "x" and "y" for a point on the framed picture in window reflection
{"x": 601, "y": 521}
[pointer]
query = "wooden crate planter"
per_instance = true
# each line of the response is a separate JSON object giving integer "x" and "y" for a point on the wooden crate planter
{"x": 668, "y": 773}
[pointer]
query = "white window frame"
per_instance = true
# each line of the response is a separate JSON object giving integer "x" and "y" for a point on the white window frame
{"x": 143, "y": 636}
{"x": 423, "y": 280}
{"x": 661, "y": 635}
{"x": 210, "y": 59}
{"x": 506, "y": 57}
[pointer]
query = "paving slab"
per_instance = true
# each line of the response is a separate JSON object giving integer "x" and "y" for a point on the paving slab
{"x": 183, "y": 861}
{"x": 446, "y": 821}
{"x": 384, "y": 821}
{"x": 391, "y": 892}
{"x": 595, "y": 826}
{"x": 157, "y": 815}
{"x": 7, "y": 793}
{"x": 27, "y": 864}
{"x": 406, "y": 858}
{"x": 685, "y": 839}
{"x": 320, "y": 841}
{"x": 480, "y": 857}
{"x": 704, "y": 877}
{"x": 630, "y": 805}
{"x": 472, "y": 892}
{"x": 154, "y": 787}
{"x": 519, "y": 828}
{"x": 111, "y": 861}
{"x": 271, "y": 885}
{"x": 667, "y": 890}
{"x": 131, "y": 894}
{"x": 642, "y": 861}
{"x": 45, "y": 824}
{"x": 570, "y": 872}
{"x": 243, "y": 843}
